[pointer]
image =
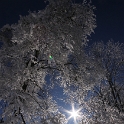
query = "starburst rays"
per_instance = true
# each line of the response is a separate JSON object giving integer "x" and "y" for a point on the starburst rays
{"x": 75, "y": 114}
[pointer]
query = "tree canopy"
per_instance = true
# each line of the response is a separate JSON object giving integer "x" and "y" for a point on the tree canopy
{"x": 53, "y": 42}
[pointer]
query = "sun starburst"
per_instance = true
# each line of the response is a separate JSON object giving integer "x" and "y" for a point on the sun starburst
{"x": 74, "y": 114}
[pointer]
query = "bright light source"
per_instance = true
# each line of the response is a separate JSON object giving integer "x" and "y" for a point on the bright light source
{"x": 74, "y": 114}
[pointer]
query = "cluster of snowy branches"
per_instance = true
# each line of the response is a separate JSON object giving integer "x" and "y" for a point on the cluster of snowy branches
{"x": 54, "y": 41}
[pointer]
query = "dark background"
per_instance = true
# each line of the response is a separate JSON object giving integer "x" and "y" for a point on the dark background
{"x": 109, "y": 16}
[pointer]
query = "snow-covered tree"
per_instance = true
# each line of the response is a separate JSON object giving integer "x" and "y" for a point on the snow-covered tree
{"x": 41, "y": 43}
{"x": 105, "y": 79}
{"x": 110, "y": 90}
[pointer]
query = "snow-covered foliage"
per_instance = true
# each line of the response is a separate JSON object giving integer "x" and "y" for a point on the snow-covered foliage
{"x": 61, "y": 29}
{"x": 104, "y": 77}
{"x": 51, "y": 42}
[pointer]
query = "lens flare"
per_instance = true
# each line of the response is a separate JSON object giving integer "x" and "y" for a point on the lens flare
{"x": 50, "y": 57}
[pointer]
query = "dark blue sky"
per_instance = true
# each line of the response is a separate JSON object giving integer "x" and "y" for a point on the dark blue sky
{"x": 109, "y": 17}
{"x": 110, "y": 20}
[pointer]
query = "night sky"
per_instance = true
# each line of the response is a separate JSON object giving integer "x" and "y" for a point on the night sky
{"x": 109, "y": 17}
{"x": 110, "y": 20}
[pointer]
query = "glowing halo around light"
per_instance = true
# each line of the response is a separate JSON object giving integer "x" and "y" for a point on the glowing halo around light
{"x": 74, "y": 114}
